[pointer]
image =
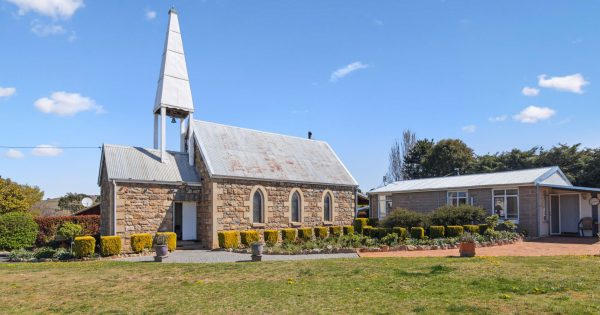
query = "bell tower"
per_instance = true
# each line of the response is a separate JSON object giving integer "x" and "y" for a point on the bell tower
{"x": 173, "y": 94}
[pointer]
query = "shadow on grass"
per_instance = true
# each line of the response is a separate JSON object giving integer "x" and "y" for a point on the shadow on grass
{"x": 433, "y": 270}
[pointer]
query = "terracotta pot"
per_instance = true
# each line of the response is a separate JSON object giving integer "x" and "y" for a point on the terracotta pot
{"x": 467, "y": 249}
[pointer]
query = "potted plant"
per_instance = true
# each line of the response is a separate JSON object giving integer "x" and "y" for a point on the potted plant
{"x": 257, "y": 251}
{"x": 467, "y": 245}
{"x": 160, "y": 246}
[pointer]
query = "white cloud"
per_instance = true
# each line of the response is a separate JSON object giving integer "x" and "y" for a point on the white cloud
{"x": 469, "y": 128}
{"x": 7, "y": 91}
{"x": 46, "y": 150}
{"x": 14, "y": 154}
{"x": 533, "y": 114}
{"x": 498, "y": 118}
{"x": 529, "y": 91}
{"x": 569, "y": 83}
{"x": 52, "y": 8}
{"x": 344, "y": 71}
{"x": 43, "y": 30}
{"x": 150, "y": 15}
{"x": 67, "y": 104}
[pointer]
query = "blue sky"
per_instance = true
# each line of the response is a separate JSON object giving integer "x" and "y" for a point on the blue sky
{"x": 497, "y": 74}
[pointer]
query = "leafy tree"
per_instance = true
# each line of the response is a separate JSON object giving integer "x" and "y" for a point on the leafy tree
{"x": 71, "y": 202}
{"x": 15, "y": 197}
{"x": 590, "y": 173}
{"x": 414, "y": 161}
{"x": 447, "y": 156}
{"x": 17, "y": 230}
{"x": 69, "y": 231}
{"x": 570, "y": 159}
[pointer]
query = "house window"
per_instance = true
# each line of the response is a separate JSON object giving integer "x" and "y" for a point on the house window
{"x": 457, "y": 198}
{"x": 296, "y": 207}
{"x": 327, "y": 208}
{"x": 257, "y": 207}
{"x": 506, "y": 204}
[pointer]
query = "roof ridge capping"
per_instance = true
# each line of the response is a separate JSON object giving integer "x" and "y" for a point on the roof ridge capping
{"x": 261, "y": 131}
{"x": 138, "y": 147}
{"x": 550, "y": 168}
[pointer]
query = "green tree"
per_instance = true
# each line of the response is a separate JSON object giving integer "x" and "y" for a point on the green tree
{"x": 570, "y": 159}
{"x": 15, "y": 197}
{"x": 71, "y": 202}
{"x": 414, "y": 161}
{"x": 590, "y": 174}
{"x": 447, "y": 156}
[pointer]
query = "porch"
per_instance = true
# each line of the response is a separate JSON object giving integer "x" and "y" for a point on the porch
{"x": 568, "y": 209}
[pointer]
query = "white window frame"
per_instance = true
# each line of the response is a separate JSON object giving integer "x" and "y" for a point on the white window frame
{"x": 505, "y": 189}
{"x": 449, "y": 197}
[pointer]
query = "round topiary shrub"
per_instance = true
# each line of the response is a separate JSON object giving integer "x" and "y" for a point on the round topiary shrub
{"x": 17, "y": 230}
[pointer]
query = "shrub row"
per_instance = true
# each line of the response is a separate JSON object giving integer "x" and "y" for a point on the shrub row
{"x": 48, "y": 226}
{"x": 443, "y": 216}
{"x": 233, "y": 239}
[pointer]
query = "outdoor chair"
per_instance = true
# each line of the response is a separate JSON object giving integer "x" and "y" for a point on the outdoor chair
{"x": 585, "y": 224}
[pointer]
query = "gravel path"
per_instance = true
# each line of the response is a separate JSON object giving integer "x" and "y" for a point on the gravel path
{"x": 207, "y": 256}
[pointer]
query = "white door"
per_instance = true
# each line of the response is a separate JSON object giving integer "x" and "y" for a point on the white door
{"x": 188, "y": 221}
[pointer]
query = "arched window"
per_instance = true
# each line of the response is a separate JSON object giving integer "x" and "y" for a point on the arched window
{"x": 257, "y": 207}
{"x": 327, "y": 208}
{"x": 296, "y": 207}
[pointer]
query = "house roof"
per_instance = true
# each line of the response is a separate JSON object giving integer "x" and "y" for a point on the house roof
{"x": 143, "y": 165}
{"x": 234, "y": 152}
{"x": 546, "y": 175}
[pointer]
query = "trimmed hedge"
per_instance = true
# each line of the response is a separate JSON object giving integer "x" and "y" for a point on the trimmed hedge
{"x": 348, "y": 230}
{"x": 437, "y": 231}
{"x": 271, "y": 237}
{"x": 249, "y": 237}
{"x": 110, "y": 245}
{"x": 321, "y": 232}
{"x": 417, "y": 232}
{"x": 374, "y": 222}
{"x": 289, "y": 235}
{"x": 83, "y": 246}
{"x": 335, "y": 231}
{"x": 141, "y": 241}
{"x": 405, "y": 218}
{"x": 171, "y": 240}
{"x": 229, "y": 239}
{"x": 483, "y": 228}
{"x": 49, "y": 226}
{"x": 367, "y": 230}
{"x": 458, "y": 215}
{"x": 17, "y": 230}
{"x": 454, "y": 230}
{"x": 359, "y": 224}
{"x": 305, "y": 234}
{"x": 471, "y": 228}
{"x": 402, "y": 232}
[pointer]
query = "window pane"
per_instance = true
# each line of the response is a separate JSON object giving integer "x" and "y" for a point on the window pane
{"x": 462, "y": 201}
{"x": 257, "y": 208}
{"x": 327, "y": 209}
{"x": 512, "y": 192}
{"x": 512, "y": 208}
{"x": 462, "y": 194}
{"x": 499, "y": 206}
{"x": 498, "y": 192}
{"x": 296, "y": 207}
{"x": 451, "y": 194}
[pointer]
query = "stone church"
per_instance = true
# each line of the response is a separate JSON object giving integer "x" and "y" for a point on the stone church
{"x": 222, "y": 177}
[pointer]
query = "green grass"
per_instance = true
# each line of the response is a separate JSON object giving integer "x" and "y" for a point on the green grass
{"x": 523, "y": 285}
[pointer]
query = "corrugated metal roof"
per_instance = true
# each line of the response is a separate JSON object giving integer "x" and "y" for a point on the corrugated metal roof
{"x": 529, "y": 176}
{"x": 245, "y": 153}
{"x": 139, "y": 164}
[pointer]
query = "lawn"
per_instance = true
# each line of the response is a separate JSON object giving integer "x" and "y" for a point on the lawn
{"x": 378, "y": 285}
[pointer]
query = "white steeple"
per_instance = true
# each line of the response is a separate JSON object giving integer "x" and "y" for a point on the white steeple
{"x": 173, "y": 94}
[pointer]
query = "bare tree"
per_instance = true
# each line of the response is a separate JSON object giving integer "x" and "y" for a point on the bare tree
{"x": 397, "y": 155}
{"x": 409, "y": 139}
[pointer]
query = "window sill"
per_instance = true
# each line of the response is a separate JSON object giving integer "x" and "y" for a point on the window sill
{"x": 295, "y": 224}
{"x": 258, "y": 225}
{"x": 327, "y": 223}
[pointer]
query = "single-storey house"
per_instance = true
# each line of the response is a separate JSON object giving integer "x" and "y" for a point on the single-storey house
{"x": 221, "y": 177}
{"x": 541, "y": 201}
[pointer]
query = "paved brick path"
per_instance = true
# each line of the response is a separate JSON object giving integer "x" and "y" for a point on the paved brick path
{"x": 547, "y": 246}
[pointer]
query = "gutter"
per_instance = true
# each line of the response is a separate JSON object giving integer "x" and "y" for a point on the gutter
{"x": 156, "y": 182}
